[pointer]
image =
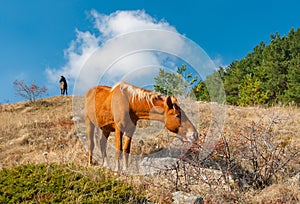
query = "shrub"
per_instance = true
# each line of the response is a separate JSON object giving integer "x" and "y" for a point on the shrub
{"x": 63, "y": 184}
{"x": 30, "y": 92}
{"x": 245, "y": 159}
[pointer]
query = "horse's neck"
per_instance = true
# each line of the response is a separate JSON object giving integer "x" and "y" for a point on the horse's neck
{"x": 151, "y": 110}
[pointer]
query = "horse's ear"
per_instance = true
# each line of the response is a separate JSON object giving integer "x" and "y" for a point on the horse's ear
{"x": 168, "y": 102}
{"x": 174, "y": 100}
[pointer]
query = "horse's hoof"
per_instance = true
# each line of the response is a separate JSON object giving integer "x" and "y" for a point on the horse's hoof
{"x": 105, "y": 164}
{"x": 94, "y": 163}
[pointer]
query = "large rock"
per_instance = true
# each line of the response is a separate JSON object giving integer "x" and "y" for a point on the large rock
{"x": 180, "y": 197}
{"x": 155, "y": 165}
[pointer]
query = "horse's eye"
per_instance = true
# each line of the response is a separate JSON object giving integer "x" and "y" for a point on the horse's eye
{"x": 177, "y": 115}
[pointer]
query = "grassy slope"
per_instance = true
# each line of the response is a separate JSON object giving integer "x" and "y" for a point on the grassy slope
{"x": 28, "y": 131}
{"x": 45, "y": 133}
{"x": 42, "y": 160}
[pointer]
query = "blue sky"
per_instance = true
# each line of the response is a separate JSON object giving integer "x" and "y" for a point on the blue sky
{"x": 36, "y": 36}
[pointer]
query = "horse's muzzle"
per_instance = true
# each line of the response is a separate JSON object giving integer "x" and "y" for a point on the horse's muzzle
{"x": 192, "y": 136}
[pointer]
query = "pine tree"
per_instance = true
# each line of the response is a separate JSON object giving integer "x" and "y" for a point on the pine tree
{"x": 175, "y": 84}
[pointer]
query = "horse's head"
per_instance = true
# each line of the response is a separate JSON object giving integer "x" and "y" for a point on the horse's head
{"x": 176, "y": 120}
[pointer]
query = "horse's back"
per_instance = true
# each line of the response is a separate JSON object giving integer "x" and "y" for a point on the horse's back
{"x": 98, "y": 106}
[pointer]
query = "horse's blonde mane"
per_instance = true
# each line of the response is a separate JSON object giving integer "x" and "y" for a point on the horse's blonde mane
{"x": 137, "y": 93}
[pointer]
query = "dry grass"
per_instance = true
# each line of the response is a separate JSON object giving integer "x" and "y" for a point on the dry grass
{"x": 279, "y": 193}
{"x": 30, "y": 132}
{"x": 45, "y": 132}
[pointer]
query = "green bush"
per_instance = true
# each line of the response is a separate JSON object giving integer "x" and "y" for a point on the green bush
{"x": 251, "y": 92}
{"x": 63, "y": 184}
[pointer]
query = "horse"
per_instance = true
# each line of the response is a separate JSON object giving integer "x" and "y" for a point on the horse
{"x": 62, "y": 85}
{"x": 118, "y": 108}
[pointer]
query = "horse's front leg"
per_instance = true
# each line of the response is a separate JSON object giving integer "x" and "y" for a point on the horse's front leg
{"x": 127, "y": 143}
{"x": 118, "y": 138}
{"x": 126, "y": 151}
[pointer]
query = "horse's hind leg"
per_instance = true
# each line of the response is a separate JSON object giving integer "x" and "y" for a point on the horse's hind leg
{"x": 91, "y": 144}
{"x": 103, "y": 144}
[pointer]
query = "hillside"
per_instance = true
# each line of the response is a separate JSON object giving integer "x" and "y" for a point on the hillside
{"x": 29, "y": 132}
{"x": 45, "y": 133}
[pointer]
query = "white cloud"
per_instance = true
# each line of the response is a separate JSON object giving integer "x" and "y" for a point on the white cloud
{"x": 126, "y": 43}
{"x": 77, "y": 54}
{"x": 122, "y": 22}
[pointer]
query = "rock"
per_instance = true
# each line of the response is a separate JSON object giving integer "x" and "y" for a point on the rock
{"x": 76, "y": 119}
{"x": 23, "y": 140}
{"x": 154, "y": 165}
{"x": 216, "y": 177}
{"x": 295, "y": 180}
{"x": 181, "y": 197}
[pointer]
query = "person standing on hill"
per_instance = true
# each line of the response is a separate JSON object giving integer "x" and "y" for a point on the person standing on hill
{"x": 63, "y": 86}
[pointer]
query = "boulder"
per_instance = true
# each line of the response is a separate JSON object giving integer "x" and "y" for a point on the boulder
{"x": 180, "y": 197}
{"x": 155, "y": 165}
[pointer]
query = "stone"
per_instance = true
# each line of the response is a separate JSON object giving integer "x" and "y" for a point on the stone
{"x": 155, "y": 165}
{"x": 179, "y": 197}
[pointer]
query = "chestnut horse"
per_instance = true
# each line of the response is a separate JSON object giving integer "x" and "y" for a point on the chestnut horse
{"x": 118, "y": 109}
